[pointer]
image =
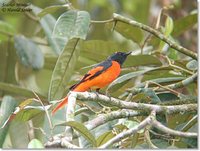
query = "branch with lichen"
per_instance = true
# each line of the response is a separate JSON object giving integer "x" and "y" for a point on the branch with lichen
{"x": 172, "y": 44}
{"x": 172, "y": 109}
{"x": 128, "y": 110}
{"x": 131, "y": 131}
{"x": 94, "y": 123}
{"x": 169, "y": 131}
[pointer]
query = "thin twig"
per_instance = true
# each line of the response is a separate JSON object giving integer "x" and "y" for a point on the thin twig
{"x": 165, "y": 87}
{"x": 184, "y": 82}
{"x": 47, "y": 113}
{"x": 148, "y": 139}
{"x": 177, "y": 67}
{"x": 102, "y": 22}
{"x": 169, "y": 131}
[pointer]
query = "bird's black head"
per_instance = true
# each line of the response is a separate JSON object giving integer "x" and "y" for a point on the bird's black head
{"x": 120, "y": 57}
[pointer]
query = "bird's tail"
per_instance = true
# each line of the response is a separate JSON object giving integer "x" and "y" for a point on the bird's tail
{"x": 60, "y": 105}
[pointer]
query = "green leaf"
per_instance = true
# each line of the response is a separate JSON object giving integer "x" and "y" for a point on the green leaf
{"x": 131, "y": 124}
{"x": 128, "y": 31}
{"x": 161, "y": 72}
{"x": 173, "y": 54}
{"x": 162, "y": 80}
{"x": 147, "y": 60}
{"x": 169, "y": 25}
{"x": 192, "y": 65}
{"x": 82, "y": 130}
{"x": 29, "y": 112}
{"x": 191, "y": 142}
{"x": 51, "y": 9}
{"x": 20, "y": 140}
{"x": 160, "y": 143}
{"x": 102, "y": 139}
{"x": 28, "y": 52}
{"x": 48, "y": 22}
{"x": 7, "y": 63}
{"x": 125, "y": 77}
{"x": 63, "y": 69}
{"x": 7, "y": 29}
{"x": 72, "y": 24}
{"x": 183, "y": 24}
{"x": 8, "y": 105}
{"x": 14, "y": 89}
{"x": 102, "y": 48}
{"x": 150, "y": 94}
{"x": 35, "y": 143}
{"x": 167, "y": 97}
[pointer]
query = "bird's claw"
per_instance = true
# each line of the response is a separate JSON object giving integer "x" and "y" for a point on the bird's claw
{"x": 104, "y": 110}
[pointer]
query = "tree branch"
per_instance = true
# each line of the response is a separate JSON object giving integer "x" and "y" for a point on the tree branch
{"x": 184, "y": 82}
{"x": 133, "y": 105}
{"x": 99, "y": 120}
{"x": 169, "y": 131}
{"x": 156, "y": 33}
{"x": 131, "y": 131}
{"x": 102, "y": 119}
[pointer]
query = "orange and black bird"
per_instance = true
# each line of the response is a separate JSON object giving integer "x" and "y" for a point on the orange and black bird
{"x": 99, "y": 76}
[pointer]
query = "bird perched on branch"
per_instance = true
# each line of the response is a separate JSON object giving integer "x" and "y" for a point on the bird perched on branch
{"x": 98, "y": 77}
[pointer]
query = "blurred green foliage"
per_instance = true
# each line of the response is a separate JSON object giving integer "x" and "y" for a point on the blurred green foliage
{"x": 41, "y": 51}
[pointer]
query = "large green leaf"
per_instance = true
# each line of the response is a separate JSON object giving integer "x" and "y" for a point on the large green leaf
{"x": 7, "y": 63}
{"x": 63, "y": 69}
{"x": 192, "y": 65}
{"x": 167, "y": 30}
{"x": 20, "y": 140}
{"x": 162, "y": 80}
{"x": 82, "y": 130}
{"x": 29, "y": 112}
{"x": 92, "y": 48}
{"x": 72, "y": 24}
{"x": 142, "y": 60}
{"x": 35, "y": 143}
{"x": 169, "y": 25}
{"x": 14, "y": 89}
{"x": 183, "y": 24}
{"x": 7, "y": 107}
{"x": 48, "y": 22}
{"x": 126, "y": 77}
{"x": 162, "y": 72}
{"x": 29, "y": 53}
{"x": 7, "y": 29}
{"x": 51, "y": 9}
{"x": 151, "y": 95}
{"x": 128, "y": 31}
{"x": 102, "y": 139}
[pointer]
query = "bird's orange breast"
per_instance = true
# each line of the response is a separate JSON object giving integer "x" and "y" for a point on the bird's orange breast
{"x": 101, "y": 80}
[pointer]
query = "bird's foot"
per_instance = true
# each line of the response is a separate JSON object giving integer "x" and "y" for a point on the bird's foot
{"x": 104, "y": 110}
{"x": 98, "y": 91}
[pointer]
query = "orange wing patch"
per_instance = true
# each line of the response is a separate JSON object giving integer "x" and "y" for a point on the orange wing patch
{"x": 93, "y": 71}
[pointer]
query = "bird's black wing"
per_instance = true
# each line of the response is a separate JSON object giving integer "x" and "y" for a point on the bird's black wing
{"x": 90, "y": 75}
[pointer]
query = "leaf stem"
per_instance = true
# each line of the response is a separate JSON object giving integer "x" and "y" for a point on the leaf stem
{"x": 102, "y": 22}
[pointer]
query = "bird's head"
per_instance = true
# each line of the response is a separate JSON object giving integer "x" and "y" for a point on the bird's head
{"x": 120, "y": 57}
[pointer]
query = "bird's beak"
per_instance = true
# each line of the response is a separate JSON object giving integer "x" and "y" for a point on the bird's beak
{"x": 128, "y": 53}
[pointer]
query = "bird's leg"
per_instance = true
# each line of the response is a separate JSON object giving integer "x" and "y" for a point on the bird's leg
{"x": 104, "y": 109}
{"x": 108, "y": 94}
{"x": 98, "y": 91}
